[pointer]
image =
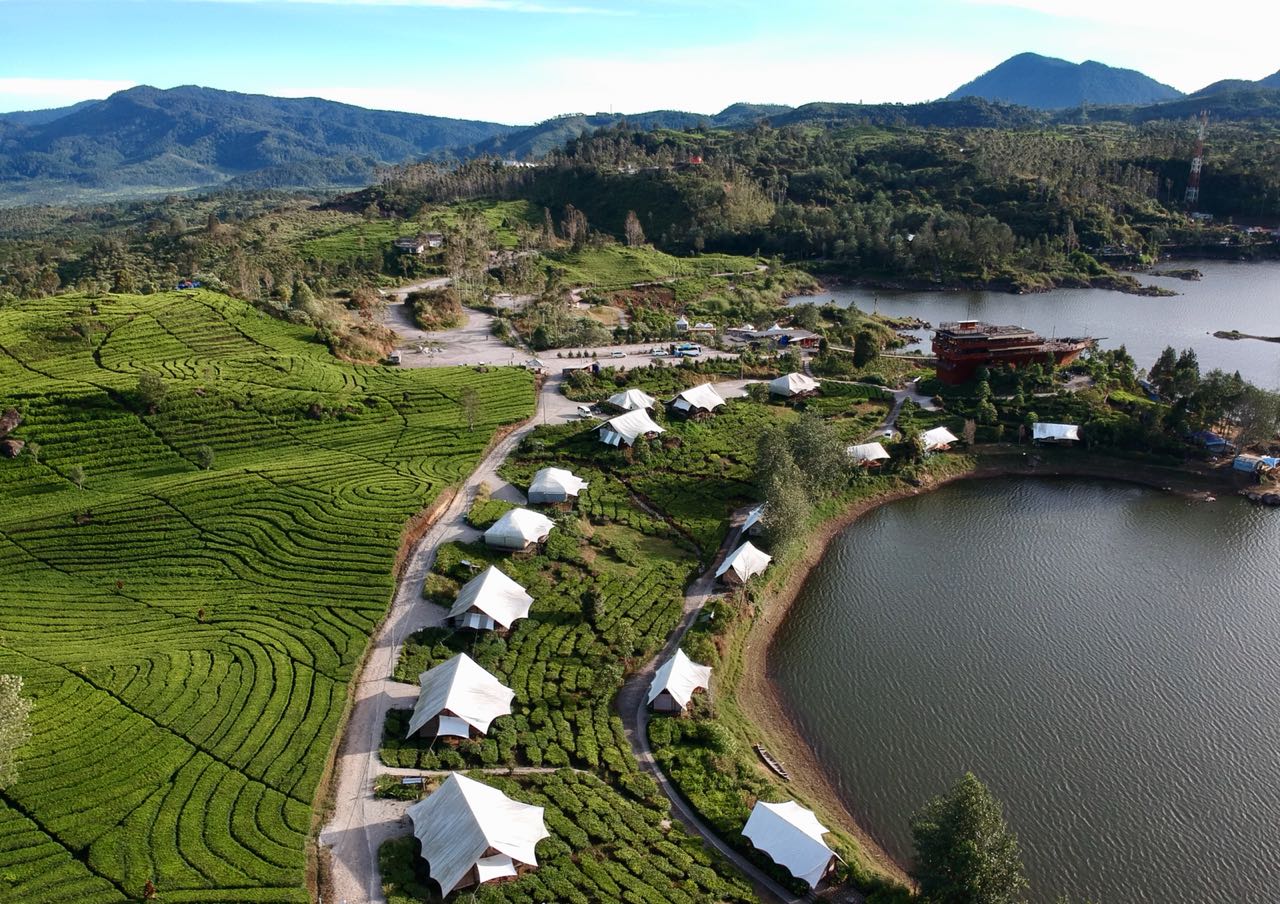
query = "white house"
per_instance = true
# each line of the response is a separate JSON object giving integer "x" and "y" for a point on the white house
{"x": 625, "y": 429}
{"x": 471, "y": 833}
{"x": 868, "y": 454}
{"x": 518, "y": 529}
{"x": 1055, "y": 433}
{"x": 675, "y": 681}
{"x": 682, "y": 324}
{"x": 698, "y": 400}
{"x": 742, "y": 564}
{"x": 793, "y": 384}
{"x": 458, "y": 699}
{"x": 489, "y": 600}
{"x": 792, "y": 836}
{"x": 632, "y": 400}
{"x": 551, "y": 485}
{"x": 938, "y": 439}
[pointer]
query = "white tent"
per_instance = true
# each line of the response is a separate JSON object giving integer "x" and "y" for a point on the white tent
{"x": 518, "y": 528}
{"x": 938, "y": 438}
{"x": 793, "y": 384}
{"x": 742, "y": 564}
{"x": 471, "y": 833}
{"x": 675, "y": 681}
{"x": 792, "y": 836}
{"x": 458, "y": 696}
{"x": 1055, "y": 433}
{"x": 868, "y": 453}
{"x": 632, "y": 400}
{"x": 699, "y": 398}
{"x": 555, "y": 485}
{"x": 625, "y": 429}
{"x": 490, "y": 598}
{"x": 753, "y": 523}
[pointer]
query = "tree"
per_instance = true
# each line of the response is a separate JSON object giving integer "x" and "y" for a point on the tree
{"x": 1161, "y": 373}
{"x": 470, "y": 406}
{"x": 632, "y": 229}
{"x": 865, "y": 348}
{"x": 204, "y": 458}
{"x": 985, "y": 412}
{"x": 33, "y": 449}
{"x": 970, "y": 432}
{"x": 15, "y": 711}
{"x": 965, "y": 853}
{"x": 151, "y": 391}
{"x": 76, "y": 475}
{"x": 1186, "y": 373}
{"x": 574, "y": 227}
{"x": 820, "y": 454}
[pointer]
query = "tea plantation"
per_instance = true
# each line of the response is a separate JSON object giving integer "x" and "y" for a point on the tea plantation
{"x": 187, "y": 586}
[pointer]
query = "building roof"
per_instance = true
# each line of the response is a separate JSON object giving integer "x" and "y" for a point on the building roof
{"x": 464, "y": 689}
{"x": 868, "y": 452}
{"x": 463, "y": 818}
{"x": 555, "y": 481}
{"x": 938, "y": 437}
{"x": 518, "y": 526}
{"x": 632, "y": 400}
{"x": 753, "y": 517}
{"x": 679, "y": 676}
{"x": 704, "y": 397}
{"x": 746, "y": 561}
{"x": 793, "y": 384}
{"x": 494, "y": 594}
{"x": 627, "y": 428}
{"x": 792, "y": 836}
{"x": 1055, "y": 431}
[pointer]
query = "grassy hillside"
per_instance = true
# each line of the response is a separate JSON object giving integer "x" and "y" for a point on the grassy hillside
{"x": 188, "y": 633}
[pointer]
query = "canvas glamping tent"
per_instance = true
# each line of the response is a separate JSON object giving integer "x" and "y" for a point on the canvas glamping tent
{"x": 699, "y": 400}
{"x": 1055, "y": 433}
{"x": 792, "y": 836}
{"x": 518, "y": 529}
{"x": 632, "y": 400}
{"x": 458, "y": 699}
{"x": 625, "y": 429}
{"x": 552, "y": 485}
{"x": 937, "y": 439}
{"x": 754, "y": 522}
{"x": 742, "y": 564}
{"x": 793, "y": 385}
{"x": 471, "y": 833}
{"x": 868, "y": 454}
{"x": 675, "y": 681}
{"x": 489, "y": 600}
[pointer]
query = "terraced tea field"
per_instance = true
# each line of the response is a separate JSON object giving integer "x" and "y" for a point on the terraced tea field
{"x": 188, "y": 633}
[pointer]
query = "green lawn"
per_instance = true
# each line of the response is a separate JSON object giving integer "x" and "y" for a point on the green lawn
{"x": 188, "y": 635}
{"x": 617, "y": 266}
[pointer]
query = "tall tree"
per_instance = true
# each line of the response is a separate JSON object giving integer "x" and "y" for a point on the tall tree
{"x": 965, "y": 852}
{"x": 633, "y": 230}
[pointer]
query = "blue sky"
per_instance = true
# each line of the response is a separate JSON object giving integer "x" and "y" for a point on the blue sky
{"x": 520, "y": 61}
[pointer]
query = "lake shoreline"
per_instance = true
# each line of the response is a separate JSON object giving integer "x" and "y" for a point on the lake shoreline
{"x": 756, "y": 693}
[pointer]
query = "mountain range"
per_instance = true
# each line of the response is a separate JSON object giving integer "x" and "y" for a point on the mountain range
{"x": 147, "y": 140}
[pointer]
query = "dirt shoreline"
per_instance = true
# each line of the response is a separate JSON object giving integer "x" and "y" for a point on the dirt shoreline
{"x": 758, "y": 697}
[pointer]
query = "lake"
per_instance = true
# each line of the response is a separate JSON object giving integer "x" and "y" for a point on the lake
{"x": 1105, "y": 657}
{"x": 1239, "y": 296}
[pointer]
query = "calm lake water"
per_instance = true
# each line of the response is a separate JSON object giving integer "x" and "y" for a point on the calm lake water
{"x": 1105, "y": 657}
{"x": 1232, "y": 296}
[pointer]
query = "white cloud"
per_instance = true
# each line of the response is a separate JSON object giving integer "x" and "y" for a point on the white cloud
{"x": 25, "y": 93}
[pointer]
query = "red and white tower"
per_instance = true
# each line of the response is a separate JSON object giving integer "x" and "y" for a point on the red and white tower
{"x": 1197, "y": 163}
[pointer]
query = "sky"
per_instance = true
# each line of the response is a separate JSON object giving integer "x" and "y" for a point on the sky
{"x": 522, "y": 61}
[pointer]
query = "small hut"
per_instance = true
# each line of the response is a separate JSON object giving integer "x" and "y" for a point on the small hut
{"x": 632, "y": 400}
{"x": 939, "y": 439}
{"x": 458, "y": 699}
{"x": 742, "y": 564}
{"x": 676, "y": 681}
{"x": 625, "y": 429}
{"x": 868, "y": 455}
{"x": 794, "y": 386}
{"x": 552, "y": 486}
{"x": 1057, "y": 434}
{"x": 518, "y": 529}
{"x": 699, "y": 401}
{"x": 489, "y": 601}
{"x": 471, "y": 833}
{"x": 792, "y": 837}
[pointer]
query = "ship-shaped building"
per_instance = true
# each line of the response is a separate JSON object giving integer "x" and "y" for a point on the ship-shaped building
{"x": 967, "y": 345}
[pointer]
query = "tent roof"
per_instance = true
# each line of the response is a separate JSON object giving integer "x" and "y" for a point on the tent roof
{"x": 1055, "y": 431}
{"x": 704, "y": 396}
{"x": 793, "y": 383}
{"x": 745, "y": 561}
{"x": 753, "y": 517}
{"x": 463, "y": 818}
{"x": 630, "y": 427}
{"x": 792, "y": 836}
{"x": 938, "y": 436}
{"x": 519, "y": 524}
{"x": 463, "y": 688}
{"x": 632, "y": 399}
{"x": 868, "y": 452}
{"x": 494, "y": 594}
{"x": 679, "y": 676}
{"x": 550, "y": 480}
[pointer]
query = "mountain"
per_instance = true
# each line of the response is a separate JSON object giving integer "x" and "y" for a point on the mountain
{"x": 40, "y": 117}
{"x": 1047, "y": 83}
{"x": 1238, "y": 84}
{"x": 1271, "y": 81}
{"x": 967, "y": 112}
{"x": 146, "y": 139}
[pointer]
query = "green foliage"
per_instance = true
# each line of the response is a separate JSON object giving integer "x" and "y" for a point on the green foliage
{"x": 436, "y": 309}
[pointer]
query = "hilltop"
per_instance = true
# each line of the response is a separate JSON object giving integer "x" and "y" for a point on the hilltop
{"x": 1048, "y": 83}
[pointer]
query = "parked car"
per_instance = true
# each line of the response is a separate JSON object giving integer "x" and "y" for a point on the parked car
{"x": 617, "y": 353}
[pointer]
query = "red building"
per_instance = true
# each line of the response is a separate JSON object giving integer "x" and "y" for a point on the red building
{"x": 964, "y": 347}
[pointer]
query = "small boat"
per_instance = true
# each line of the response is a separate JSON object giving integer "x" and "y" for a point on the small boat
{"x": 768, "y": 759}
